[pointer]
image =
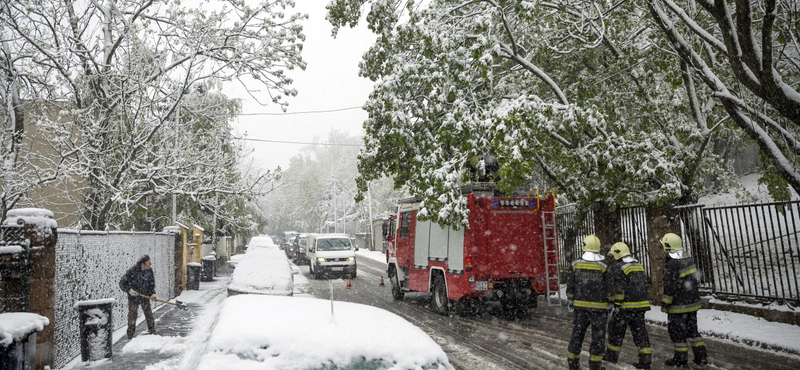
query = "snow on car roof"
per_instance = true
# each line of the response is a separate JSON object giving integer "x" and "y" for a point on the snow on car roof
{"x": 263, "y": 271}
{"x": 292, "y": 333}
{"x": 261, "y": 241}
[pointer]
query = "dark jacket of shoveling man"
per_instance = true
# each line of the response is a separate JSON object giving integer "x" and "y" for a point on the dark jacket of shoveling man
{"x": 139, "y": 282}
{"x": 630, "y": 285}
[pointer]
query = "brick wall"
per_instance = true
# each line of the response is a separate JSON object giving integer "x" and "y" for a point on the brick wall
{"x": 89, "y": 265}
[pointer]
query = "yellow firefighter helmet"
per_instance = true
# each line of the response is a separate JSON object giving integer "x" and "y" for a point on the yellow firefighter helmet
{"x": 591, "y": 244}
{"x": 619, "y": 250}
{"x": 671, "y": 242}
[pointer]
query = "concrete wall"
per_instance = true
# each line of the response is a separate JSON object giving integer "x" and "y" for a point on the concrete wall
{"x": 89, "y": 265}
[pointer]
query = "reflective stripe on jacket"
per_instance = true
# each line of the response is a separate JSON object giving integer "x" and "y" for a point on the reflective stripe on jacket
{"x": 681, "y": 293}
{"x": 588, "y": 285}
{"x": 630, "y": 286}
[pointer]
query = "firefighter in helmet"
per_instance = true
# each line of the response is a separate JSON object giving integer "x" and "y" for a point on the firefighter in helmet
{"x": 588, "y": 293}
{"x": 681, "y": 300}
{"x": 629, "y": 289}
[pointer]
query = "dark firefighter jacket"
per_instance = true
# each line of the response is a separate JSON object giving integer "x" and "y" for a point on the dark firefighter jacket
{"x": 142, "y": 281}
{"x": 680, "y": 286}
{"x": 630, "y": 286}
{"x": 588, "y": 285}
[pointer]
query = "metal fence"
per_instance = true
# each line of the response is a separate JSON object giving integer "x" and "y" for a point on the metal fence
{"x": 750, "y": 250}
{"x": 754, "y": 250}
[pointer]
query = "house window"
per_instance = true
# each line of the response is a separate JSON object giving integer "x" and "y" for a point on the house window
{"x": 405, "y": 224}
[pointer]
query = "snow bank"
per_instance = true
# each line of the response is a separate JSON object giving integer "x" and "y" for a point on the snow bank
{"x": 741, "y": 328}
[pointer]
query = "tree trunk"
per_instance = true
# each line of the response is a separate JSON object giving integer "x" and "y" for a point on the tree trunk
{"x": 607, "y": 226}
{"x": 660, "y": 220}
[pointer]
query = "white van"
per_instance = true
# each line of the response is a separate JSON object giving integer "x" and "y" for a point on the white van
{"x": 331, "y": 254}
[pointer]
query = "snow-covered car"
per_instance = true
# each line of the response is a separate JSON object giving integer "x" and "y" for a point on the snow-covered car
{"x": 235, "y": 259}
{"x": 300, "y": 333}
{"x": 262, "y": 241}
{"x": 262, "y": 271}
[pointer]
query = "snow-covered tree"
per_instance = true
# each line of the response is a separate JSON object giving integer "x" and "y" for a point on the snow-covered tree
{"x": 124, "y": 71}
{"x": 578, "y": 91}
{"x": 746, "y": 53}
{"x": 319, "y": 189}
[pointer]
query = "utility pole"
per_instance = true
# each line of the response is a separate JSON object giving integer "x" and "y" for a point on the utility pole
{"x": 175, "y": 144}
{"x": 371, "y": 229}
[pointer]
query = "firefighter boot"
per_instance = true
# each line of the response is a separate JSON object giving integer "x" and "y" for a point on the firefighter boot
{"x": 679, "y": 359}
{"x": 596, "y": 365}
{"x": 574, "y": 364}
{"x": 611, "y": 356}
{"x": 644, "y": 359}
{"x": 700, "y": 354}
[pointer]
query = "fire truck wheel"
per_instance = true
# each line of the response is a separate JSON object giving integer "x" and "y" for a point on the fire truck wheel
{"x": 397, "y": 292}
{"x": 439, "y": 300}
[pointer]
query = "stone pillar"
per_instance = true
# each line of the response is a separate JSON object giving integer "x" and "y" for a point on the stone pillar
{"x": 43, "y": 297}
{"x": 40, "y": 236}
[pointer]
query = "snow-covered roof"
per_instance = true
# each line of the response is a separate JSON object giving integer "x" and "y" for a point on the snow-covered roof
{"x": 292, "y": 333}
{"x": 263, "y": 271}
{"x": 199, "y": 228}
{"x": 16, "y": 325}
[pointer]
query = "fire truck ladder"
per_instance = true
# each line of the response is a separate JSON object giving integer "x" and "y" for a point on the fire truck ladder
{"x": 551, "y": 258}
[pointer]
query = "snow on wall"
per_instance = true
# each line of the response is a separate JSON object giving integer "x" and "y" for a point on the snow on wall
{"x": 89, "y": 265}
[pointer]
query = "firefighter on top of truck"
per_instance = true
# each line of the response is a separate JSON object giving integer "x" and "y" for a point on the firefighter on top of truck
{"x": 588, "y": 293}
{"x": 681, "y": 301}
{"x": 629, "y": 289}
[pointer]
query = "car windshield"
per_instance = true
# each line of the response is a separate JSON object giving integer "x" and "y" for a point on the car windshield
{"x": 338, "y": 244}
{"x": 302, "y": 241}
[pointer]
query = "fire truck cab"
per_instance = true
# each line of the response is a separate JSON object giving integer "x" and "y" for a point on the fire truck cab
{"x": 508, "y": 253}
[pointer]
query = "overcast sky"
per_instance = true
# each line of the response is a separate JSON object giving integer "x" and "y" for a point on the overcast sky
{"x": 329, "y": 82}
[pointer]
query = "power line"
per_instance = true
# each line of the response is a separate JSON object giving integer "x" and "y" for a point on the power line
{"x": 294, "y": 142}
{"x": 304, "y": 112}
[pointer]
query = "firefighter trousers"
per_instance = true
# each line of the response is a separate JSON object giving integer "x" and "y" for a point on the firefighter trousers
{"x": 683, "y": 332}
{"x": 580, "y": 324}
{"x": 619, "y": 323}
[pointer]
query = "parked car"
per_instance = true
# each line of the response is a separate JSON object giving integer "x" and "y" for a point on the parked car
{"x": 262, "y": 270}
{"x": 286, "y": 237}
{"x": 261, "y": 241}
{"x": 303, "y": 333}
{"x": 331, "y": 254}
{"x": 297, "y": 249}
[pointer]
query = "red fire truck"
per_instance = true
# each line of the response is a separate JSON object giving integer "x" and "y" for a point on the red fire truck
{"x": 509, "y": 252}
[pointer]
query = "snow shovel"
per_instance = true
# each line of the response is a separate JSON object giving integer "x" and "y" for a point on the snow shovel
{"x": 178, "y": 303}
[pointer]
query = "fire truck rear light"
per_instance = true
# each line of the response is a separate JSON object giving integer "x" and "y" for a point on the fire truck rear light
{"x": 468, "y": 265}
{"x": 495, "y": 203}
